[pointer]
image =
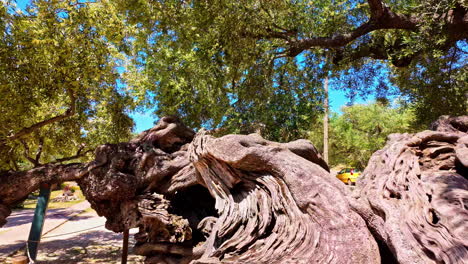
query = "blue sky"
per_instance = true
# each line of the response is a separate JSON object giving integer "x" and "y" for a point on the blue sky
{"x": 22, "y": 3}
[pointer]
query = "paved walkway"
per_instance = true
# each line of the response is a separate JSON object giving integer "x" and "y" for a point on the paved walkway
{"x": 14, "y": 234}
{"x": 73, "y": 235}
{"x": 84, "y": 239}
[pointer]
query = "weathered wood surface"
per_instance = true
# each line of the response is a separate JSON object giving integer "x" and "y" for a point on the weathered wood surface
{"x": 417, "y": 192}
{"x": 243, "y": 199}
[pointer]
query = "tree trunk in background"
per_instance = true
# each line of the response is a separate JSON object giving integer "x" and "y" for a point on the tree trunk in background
{"x": 325, "y": 121}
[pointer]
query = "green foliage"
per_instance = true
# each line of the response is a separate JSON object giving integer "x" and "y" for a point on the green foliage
{"x": 361, "y": 130}
{"x": 58, "y": 58}
{"x": 436, "y": 86}
{"x": 197, "y": 61}
{"x": 192, "y": 58}
{"x": 215, "y": 64}
{"x": 281, "y": 108}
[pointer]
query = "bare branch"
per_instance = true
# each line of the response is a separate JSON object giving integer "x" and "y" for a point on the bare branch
{"x": 78, "y": 154}
{"x": 39, "y": 150}
{"x": 26, "y": 154}
{"x": 279, "y": 56}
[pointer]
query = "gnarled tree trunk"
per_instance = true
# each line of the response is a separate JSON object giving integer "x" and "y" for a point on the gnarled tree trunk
{"x": 417, "y": 192}
{"x": 243, "y": 199}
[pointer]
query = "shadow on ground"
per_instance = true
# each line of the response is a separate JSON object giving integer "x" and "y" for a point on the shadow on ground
{"x": 25, "y": 216}
{"x": 98, "y": 246}
{"x": 91, "y": 247}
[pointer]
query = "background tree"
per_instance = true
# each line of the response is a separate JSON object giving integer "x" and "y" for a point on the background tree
{"x": 361, "y": 130}
{"x": 58, "y": 82}
{"x": 283, "y": 107}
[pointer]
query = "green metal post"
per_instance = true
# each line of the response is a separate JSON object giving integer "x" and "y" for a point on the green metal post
{"x": 38, "y": 222}
{"x": 125, "y": 247}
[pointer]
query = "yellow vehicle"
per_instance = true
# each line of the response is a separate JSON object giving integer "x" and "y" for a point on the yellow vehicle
{"x": 348, "y": 175}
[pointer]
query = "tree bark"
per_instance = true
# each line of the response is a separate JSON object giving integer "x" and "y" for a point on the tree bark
{"x": 415, "y": 192}
{"x": 325, "y": 120}
{"x": 16, "y": 186}
{"x": 380, "y": 17}
{"x": 243, "y": 199}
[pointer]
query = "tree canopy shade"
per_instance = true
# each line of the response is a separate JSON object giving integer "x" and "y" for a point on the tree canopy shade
{"x": 58, "y": 82}
{"x": 371, "y": 28}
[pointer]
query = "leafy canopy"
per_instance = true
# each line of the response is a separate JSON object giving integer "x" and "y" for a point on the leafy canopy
{"x": 58, "y": 81}
{"x": 190, "y": 57}
{"x": 233, "y": 65}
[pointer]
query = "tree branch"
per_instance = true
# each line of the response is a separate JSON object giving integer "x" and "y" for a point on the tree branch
{"x": 15, "y": 186}
{"x": 26, "y": 154}
{"x": 298, "y": 46}
{"x": 375, "y": 50}
{"x": 78, "y": 154}
{"x": 381, "y": 18}
{"x": 39, "y": 150}
{"x": 27, "y": 130}
{"x": 376, "y": 7}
